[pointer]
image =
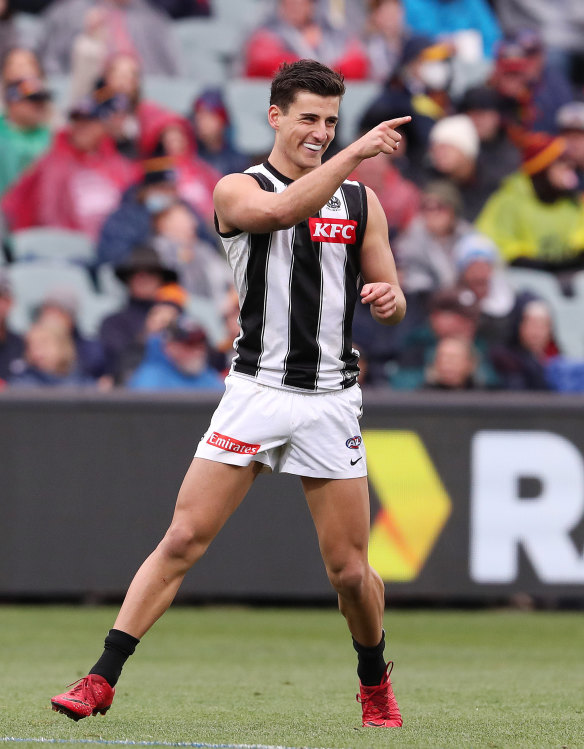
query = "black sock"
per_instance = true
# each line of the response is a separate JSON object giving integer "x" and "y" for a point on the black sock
{"x": 119, "y": 646}
{"x": 371, "y": 663}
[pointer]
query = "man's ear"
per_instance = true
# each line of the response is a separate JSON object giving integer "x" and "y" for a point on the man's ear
{"x": 274, "y": 116}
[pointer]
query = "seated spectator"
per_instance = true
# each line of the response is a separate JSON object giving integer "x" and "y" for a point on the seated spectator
{"x": 213, "y": 135}
{"x": 294, "y": 32}
{"x": 60, "y": 309}
{"x": 452, "y": 315}
{"x": 133, "y": 26}
{"x": 399, "y": 198}
{"x": 177, "y": 359}
{"x": 570, "y": 122}
{"x": 20, "y": 63}
{"x": 481, "y": 274}
{"x": 454, "y": 18}
{"x": 454, "y": 366}
{"x": 498, "y": 155}
{"x": 532, "y": 90}
{"x": 49, "y": 360}
{"x": 170, "y": 135}
{"x": 384, "y": 36}
{"x": 122, "y": 334}
{"x": 453, "y": 155}
{"x": 419, "y": 87}
{"x": 24, "y": 130}
{"x": 536, "y": 218}
{"x": 522, "y": 364}
{"x": 425, "y": 251}
{"x": 77, "y": 182}
{"x": 89, "y": 53}
{"x": 11, "y": 344}
{"x": 198, "y": 265}
{"x": 130, "y": 223}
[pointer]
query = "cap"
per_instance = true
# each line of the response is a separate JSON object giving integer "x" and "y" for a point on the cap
{"x": 480, "y": 98}
{"x": 457, "y": 130}
{"x": 571, "y": 116}
{"x": 144, "y": 258}
{"x": 100, "y": 105}
{"x": 27, "y": 88}
{"x": 539, "y": 150}
{"x": 211, "y": 100}
{"x": 446, "y": 192}
{"x": 186, "y": 331}
{"x": 514, "y": 50}
{"x": 173, "y": 294}
{"x": 159, "y": 169}
{"x": 473, "y": 247}
{"x": 454, "y": 300}
{"x": 426, "y": 48}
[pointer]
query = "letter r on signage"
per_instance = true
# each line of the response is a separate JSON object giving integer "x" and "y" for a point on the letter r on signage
{"x": 501, "y": 520}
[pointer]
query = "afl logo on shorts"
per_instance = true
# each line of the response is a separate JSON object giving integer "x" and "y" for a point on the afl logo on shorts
{"x": 334, "y": 204}
{"x": 341, "y": 230}
{"x": 353, "y": 442}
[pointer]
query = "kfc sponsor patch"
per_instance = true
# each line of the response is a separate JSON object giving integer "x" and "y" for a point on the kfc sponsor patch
{"x": 232, "y": 445}
{"x": 341, "y": 230}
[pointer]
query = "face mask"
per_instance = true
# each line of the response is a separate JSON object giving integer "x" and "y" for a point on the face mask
{"x": 436, "y": 76}
{"x": 156, "y": 202}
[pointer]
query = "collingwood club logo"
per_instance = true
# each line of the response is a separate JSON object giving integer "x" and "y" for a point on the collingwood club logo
{"x": 334, "y": 204}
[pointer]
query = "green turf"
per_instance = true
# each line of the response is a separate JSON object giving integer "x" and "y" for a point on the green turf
{"x": 286, "y": 677}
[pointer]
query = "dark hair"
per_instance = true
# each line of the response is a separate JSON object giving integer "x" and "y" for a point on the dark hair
{"x": 304, "y": 75}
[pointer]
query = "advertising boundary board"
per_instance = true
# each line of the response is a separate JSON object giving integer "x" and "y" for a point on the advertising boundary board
{"x": 474, "y": 497}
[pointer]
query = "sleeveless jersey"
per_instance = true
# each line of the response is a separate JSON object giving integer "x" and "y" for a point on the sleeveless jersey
{"x": 297, "y": 291}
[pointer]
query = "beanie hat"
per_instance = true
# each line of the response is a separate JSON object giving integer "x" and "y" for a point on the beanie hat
{"x": 473, "y": 247}
{"x": 458, "y": 131}
{"x": 539, "y": 150}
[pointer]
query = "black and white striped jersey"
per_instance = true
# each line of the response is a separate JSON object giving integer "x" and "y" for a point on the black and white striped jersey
{"x": 297, "y": 291}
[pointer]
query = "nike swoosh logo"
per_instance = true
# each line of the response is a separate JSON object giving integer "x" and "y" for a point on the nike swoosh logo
{"x": 355, "y": 461}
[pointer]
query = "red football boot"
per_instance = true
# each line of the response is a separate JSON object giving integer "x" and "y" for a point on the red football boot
{"x": 89, "y": 696}
{"x": 379, "y": 704}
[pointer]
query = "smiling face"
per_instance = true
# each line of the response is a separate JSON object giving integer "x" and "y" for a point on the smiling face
{"x": 303, "y": 132}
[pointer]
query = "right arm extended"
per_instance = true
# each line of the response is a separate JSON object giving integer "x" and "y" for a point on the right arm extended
{"x": 240, "y": 203}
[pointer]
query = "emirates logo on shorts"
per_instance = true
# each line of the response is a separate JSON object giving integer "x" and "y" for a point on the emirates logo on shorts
{"x": 232, "y": 445}
{"x": 340, "y": 230}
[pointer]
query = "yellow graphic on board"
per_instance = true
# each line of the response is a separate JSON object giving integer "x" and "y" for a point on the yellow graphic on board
{"x": 414, "y": 503}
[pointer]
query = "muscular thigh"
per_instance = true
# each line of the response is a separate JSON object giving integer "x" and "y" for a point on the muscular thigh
{"x": 340, "y": 511}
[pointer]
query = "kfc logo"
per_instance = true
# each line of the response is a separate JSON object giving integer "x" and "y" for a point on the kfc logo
{"x": 232, "y": 445}
{"x": 338, "y": 230}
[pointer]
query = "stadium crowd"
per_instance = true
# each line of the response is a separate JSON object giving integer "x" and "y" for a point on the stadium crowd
{"x": 110, "y": 270}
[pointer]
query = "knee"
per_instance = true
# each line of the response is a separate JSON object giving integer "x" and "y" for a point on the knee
{"x": 184, "y": 544}
{"x": 349, "y": 578}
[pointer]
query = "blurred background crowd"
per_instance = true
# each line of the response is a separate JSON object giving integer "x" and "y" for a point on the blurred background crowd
{"x": 119, "y": 116}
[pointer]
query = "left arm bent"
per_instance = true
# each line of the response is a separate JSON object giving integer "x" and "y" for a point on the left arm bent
{"x": 381, "y": 290}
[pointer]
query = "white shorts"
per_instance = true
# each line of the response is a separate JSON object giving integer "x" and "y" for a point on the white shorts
{"x": 308, "y": 434}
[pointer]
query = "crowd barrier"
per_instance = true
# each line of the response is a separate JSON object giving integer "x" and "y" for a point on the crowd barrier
{"x": 474, "y": 497}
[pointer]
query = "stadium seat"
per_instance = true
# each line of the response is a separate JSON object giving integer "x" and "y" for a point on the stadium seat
{"x": 248, "y": 102}
{"x": 52, "y": 244}
{"x": 205, "y": 313}
{"x": 244, "y": 14}
{"x": 32, "y": 282}
{"x": 29, "y": 28}
{"x": 207, "y": 49}
{"x": 60, "y": 86}
{"x": 176, "y": 94}
{"x": 356, "y": 99}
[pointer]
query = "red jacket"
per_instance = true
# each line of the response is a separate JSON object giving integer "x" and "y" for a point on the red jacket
{"x": 69, "y": 188}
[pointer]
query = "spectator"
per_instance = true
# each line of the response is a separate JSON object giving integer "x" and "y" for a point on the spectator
{"x": 425, "y": 252}
{"x": 130, "y": 223}
{"x": 213, "y": 135}
{"x": 384, "y": 37}
{"x": 294, "y": 32}
{"x": 454, "y": 366}
{"x": 177, "y": 359}
{"x": 452, "y": 315}
{"x": 481, "y": 274}
{"x": 420, "y": 88}
{"x": 536, "y": 218}
{"x": 498, "y": 155}
{"x": 533, "y": 91}
{"x": 24, "y": 131}
{"x": 400, "y": 198}
{"x": 20, "y": 63}
{"x": 133, "y": 26}
{"x": 453, "y": 18}
{"x": 122, "y": 334}
{"x": 49, "y": 360}
{"x": 170, "y": 135}
{"x": 89, "y": 53}
{"x": 77, "y": 182}
{"x": 11, "y": 344}
{"x": 453, "y": 155}
{"x": 199, "y": 267}
{"x": 60, "y": 308}
{"x": 570, "y": 121}
{"x": 522, "y": 364}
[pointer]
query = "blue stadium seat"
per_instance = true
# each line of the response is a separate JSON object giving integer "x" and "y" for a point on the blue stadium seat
{"x": 52, "y": 244}
{"x": 176, "y": 94}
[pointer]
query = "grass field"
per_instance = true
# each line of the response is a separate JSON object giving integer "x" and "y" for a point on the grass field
{"x": 285, "y": 677}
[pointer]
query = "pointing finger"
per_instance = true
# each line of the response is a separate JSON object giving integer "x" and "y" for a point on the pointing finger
{"x": 398, "y": 121}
